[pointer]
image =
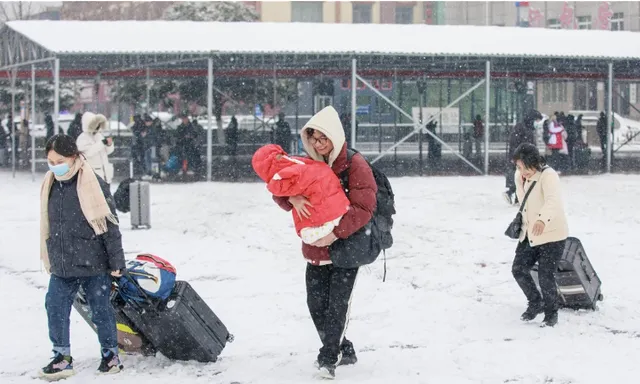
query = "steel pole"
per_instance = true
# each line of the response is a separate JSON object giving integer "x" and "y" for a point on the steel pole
{"x": 354, "y": 81}
{"x": 148, "y": 90}
{"x": 12, "y": 126}
{"x": 209, "y": 117}
{"x": 610, "y": 118}
{"x": 33, "y": 122}
{"x": 487, "y": 107}
{"x": 56, "y": 91}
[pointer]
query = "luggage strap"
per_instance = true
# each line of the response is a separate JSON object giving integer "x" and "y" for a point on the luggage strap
{"x": 131, "y": 301}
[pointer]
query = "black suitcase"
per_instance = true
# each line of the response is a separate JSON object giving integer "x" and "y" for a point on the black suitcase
{"x": 183, "y": 327}
{"x": 579, "y": 286}
{"x": 581, "y": 155}
{"x": 130, "y": 340}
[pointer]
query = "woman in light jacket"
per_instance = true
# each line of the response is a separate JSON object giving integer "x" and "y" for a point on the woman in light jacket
{"x": 95, "y": 147}
{"x": 544, "y": 232}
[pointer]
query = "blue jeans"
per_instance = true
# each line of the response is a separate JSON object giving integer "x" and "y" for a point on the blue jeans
{"x": 59, "y": 300}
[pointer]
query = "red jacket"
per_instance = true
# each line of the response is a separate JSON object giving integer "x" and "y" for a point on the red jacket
{"x": 293, "y": 176}
{"x": 362, "y": 196}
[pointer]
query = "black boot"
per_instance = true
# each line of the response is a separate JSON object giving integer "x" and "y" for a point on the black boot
{"x": 550, "y": 319}
{"x": 533, "y": 310}
{"x": 348, "y": 354}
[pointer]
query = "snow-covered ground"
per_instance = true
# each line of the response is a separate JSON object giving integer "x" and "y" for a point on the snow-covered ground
{"x": 448, "y": 313}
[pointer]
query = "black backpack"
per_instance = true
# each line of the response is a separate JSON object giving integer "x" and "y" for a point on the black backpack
{"x": 381, "y": 224}
{"x": 121, "y": 197}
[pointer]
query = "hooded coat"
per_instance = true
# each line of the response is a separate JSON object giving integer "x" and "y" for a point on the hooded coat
{"x": 90, "y": 144}
{"x": 362, "y": 188}
{"x": 298, "y": 176}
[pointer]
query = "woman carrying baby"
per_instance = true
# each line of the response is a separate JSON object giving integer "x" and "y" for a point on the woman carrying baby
{"x": 329, "y": 288}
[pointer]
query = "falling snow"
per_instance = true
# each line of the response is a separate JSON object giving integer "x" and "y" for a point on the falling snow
{"x": 448, "y": 312}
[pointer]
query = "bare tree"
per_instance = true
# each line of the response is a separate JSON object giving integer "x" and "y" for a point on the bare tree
{"x": 15, "y": 10}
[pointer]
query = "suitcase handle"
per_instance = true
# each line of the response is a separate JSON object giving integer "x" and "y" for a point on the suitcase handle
{"x": 585, "y": 272}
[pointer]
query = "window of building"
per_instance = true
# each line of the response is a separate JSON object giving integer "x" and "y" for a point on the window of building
{"x": 306, "y": 11}
{"x": 361, "y": 13}
{"x": 554, "y": 92}
{"x": 617, "y": 21}
{"x": 584, "y": 22}
{"x": 553, "y": 24}
{"x": 404, "y": 14}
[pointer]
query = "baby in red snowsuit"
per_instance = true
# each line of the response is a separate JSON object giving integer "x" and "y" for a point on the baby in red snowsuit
{"x": 293, "y": 176}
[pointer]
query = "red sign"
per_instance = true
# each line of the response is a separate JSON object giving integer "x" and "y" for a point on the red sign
{"x": 567, "y": 19}
{"x": 536, "y": 18}
{"x": 604, "y": 15}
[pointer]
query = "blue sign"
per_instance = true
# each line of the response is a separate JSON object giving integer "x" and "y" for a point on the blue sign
{"x": 363, "y": 109}
{"x": 258, "y": 111}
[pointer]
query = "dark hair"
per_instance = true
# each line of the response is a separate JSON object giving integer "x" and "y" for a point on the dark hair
{"x": 530, "y": 156}
{"x": 63, "y": 145}
{"x": 309, "y": 132}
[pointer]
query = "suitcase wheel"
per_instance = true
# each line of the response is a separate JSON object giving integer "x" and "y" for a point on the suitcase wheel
{"x": 230, "y": 338}
{"x": 600, "y": 297}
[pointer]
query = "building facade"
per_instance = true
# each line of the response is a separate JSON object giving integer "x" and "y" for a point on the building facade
{"x": 550, "y": 95}
{"x": 619, "y": 15}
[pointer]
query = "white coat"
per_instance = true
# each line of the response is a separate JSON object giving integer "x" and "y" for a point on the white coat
{"x": 90, "y": 144}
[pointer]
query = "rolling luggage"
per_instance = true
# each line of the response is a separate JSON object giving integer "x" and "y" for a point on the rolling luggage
{"x": 579, "y": 286}
{"x": 182, "y": 327}
{"x": 130, "y": 340}
{"x": 582, "y": 156}
{"x": 140, "y": 204}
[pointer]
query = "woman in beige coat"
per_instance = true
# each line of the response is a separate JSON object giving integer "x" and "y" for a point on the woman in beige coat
{"x": 544, "y": 232}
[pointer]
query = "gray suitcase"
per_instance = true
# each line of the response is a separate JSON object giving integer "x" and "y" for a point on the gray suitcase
{"x": 140, "y": 203}
{"x": 579, "y": 286}
{"x": 3, "y": 157}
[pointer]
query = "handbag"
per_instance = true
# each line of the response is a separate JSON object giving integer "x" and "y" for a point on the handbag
{"x": 515, "y": 227}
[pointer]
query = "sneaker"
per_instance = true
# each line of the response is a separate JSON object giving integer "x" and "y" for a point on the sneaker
{"x": 60, "y": 367}
{"x": 550, "y": 319}
{"x": 327, "y": 371}
{"x": 110, "y": 363}
{"x": 533, "y": 310}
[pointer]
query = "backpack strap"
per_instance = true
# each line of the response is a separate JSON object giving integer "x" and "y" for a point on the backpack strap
{"x": 344, "y": 179}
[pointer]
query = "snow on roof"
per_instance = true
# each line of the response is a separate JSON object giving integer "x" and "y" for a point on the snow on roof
{"x": 172, "y": 37}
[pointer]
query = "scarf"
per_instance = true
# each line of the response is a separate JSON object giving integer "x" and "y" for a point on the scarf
{"x": 92, "y": 202}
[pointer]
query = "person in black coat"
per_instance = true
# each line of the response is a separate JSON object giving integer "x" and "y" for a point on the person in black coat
{"x": 282, "y": 133}
{"x": 75, "y": 128}
{"x": 48, "y": 123}
{"x": 187, "y": 145}
{"x": 4, "y": 137}
{"x": 81, "y": 246}
{"x": 601, "y": 130}
{"x": 232, "y": 137}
